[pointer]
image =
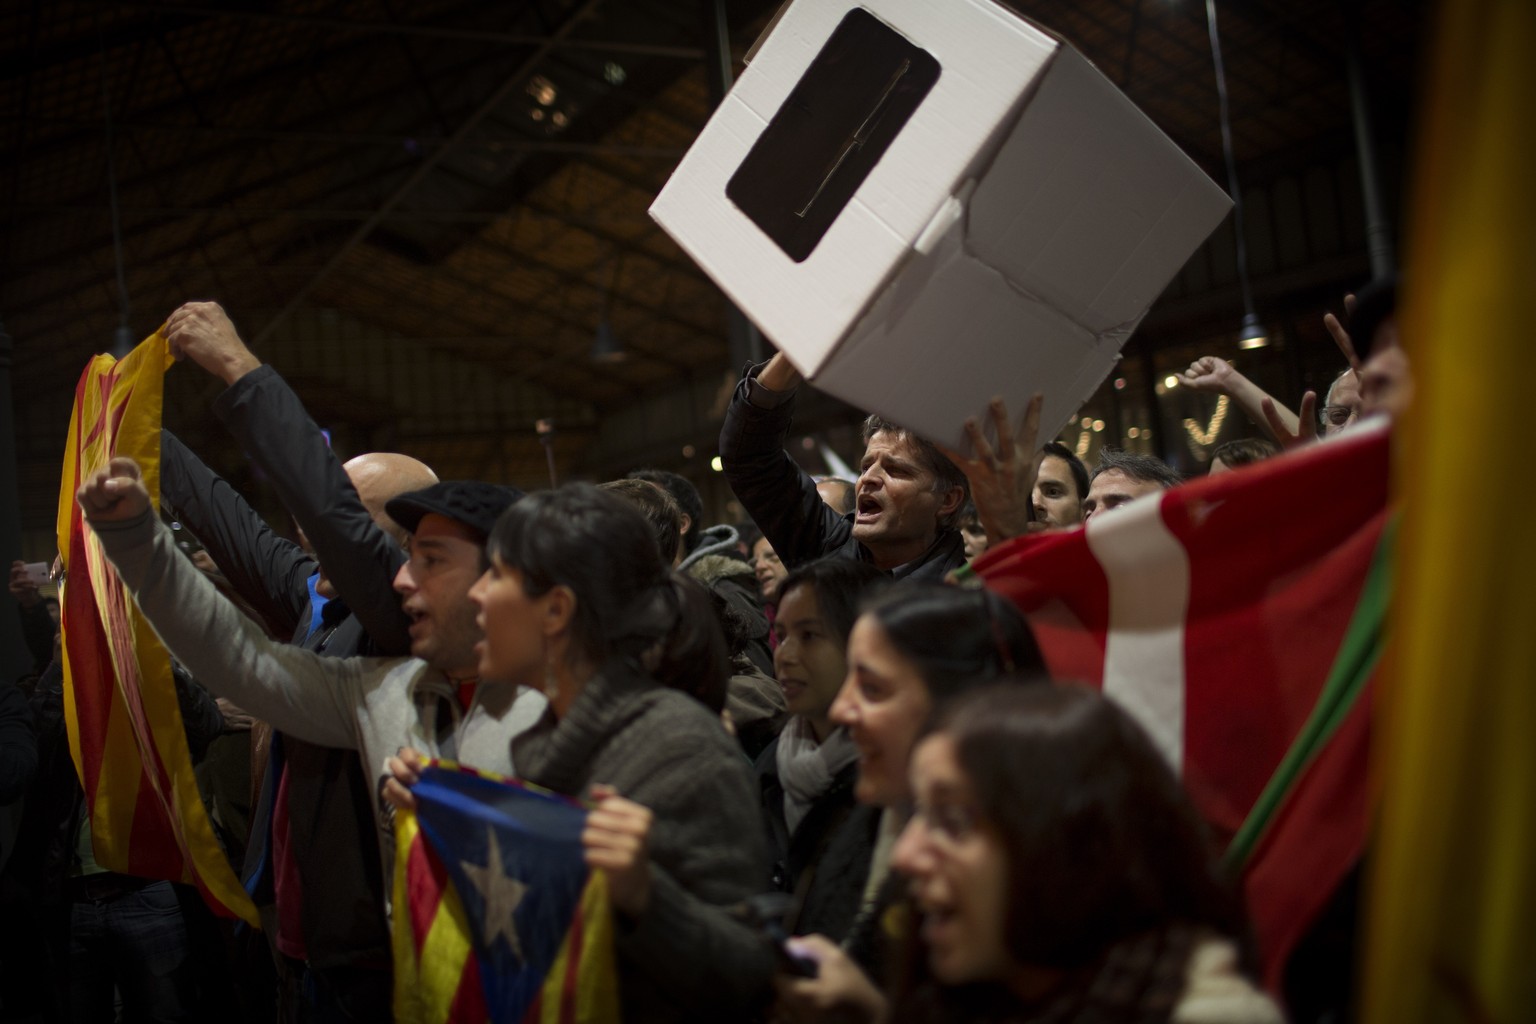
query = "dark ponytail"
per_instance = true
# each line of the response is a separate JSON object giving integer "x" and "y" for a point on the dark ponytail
{"x": 692, "y": 657}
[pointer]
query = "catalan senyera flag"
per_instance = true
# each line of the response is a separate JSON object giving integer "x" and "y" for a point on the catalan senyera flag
{"x": 496, "y": 915}
{"x": 124, "y": 723}
{"x": 1451, "y": 892}
{"x": 1239, "y": 618}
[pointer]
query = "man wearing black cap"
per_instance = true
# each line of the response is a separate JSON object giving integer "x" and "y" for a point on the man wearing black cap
{"x": 449, "y": 523}
{"x": 372, "y": 705}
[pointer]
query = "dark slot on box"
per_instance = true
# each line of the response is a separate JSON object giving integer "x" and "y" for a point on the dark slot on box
{"x": 832, "y": 130}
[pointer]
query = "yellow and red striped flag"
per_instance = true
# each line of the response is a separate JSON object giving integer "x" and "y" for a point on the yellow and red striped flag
{"x": 1451, "y": 927}
{"x": 125, "y": 729}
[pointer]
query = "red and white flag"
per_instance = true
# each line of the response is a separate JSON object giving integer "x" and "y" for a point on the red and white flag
{"x": 1238, "y": 619}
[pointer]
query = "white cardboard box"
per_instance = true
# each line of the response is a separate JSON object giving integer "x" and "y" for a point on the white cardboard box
{"x": 1006, "y": 237}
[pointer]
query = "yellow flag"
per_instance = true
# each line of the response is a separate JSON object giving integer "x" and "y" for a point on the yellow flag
{"x": 125, "y": 728}
{"x": 1451, "y": 924}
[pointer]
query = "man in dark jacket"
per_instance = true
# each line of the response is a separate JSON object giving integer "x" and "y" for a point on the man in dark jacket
{"x": 319, "y": 876}
{"x": 908, "y": 492}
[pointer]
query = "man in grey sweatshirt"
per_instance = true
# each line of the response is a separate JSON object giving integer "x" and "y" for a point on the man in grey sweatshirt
{"x": 432, "y": 701}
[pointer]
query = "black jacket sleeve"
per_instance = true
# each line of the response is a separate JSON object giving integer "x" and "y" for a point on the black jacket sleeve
{"x": 270, "y": 572}
{"x": 361, "y": 560}
{"x": 18, "y": 744}
{"x": 200, "y": 714}
{"x": 779, "y": 496}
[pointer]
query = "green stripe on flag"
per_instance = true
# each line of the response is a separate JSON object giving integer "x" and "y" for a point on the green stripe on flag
{"x": 1357, "y": 658}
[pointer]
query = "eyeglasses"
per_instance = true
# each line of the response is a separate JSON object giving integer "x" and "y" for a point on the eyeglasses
{"x": 1335, "y": 415}
{"x": 948, "y": 823}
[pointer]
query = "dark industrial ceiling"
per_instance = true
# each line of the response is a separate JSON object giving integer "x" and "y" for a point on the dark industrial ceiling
{"x": 421, "y": 213}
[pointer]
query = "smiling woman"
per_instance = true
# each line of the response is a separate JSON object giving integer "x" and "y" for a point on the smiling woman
{"x": 1050, "y": 851}
{"x": 820, "y": 837}
{"x": 911, "y": 651}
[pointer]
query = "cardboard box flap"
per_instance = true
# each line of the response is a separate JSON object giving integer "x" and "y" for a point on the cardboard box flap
{"x": 994, "y": 340}
{"x": 915, "y": 253}
{"x": 1092, "y": 213}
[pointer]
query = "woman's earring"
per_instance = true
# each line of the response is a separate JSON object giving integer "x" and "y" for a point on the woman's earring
{"x": 551, "y": 683}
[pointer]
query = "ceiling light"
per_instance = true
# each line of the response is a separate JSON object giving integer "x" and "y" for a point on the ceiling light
{"x": 542, "y": 89}
{"x": 605, "y": 345}
{"x": 1253, "y": 334}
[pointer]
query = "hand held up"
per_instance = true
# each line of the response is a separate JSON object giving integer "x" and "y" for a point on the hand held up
{"x": 203, "y": 333}
{"x": 23, "y": 587}
{"x": 1209, "y": 373}
{"x": 1306, "y": 427}
{"x": 1003, "y": 480}
{"x": 114, "y": 493}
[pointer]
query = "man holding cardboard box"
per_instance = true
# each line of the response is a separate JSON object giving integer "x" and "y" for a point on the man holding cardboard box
{"x": 923, "y": 205}
{"x": 906, "y": 499}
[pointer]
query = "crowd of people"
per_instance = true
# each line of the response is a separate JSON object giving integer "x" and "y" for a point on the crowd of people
{"x": 805, "y": 704}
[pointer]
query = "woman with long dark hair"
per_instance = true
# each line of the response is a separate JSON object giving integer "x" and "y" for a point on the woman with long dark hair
{"x": 913, "y": 649}
{"x": 577, "y": 603}
{"x": 1060, "y": 873}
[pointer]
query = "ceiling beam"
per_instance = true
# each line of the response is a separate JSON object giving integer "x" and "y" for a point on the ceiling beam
{"x": 511, "y": 84}
{"x": 560, "y": 39}
{"x": 387, "y": 140}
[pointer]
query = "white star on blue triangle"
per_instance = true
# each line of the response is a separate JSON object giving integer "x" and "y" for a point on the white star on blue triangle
{"x": 501, "y": 893}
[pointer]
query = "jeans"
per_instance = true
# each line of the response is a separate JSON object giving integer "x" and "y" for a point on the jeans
{"x": 130, "y": 936}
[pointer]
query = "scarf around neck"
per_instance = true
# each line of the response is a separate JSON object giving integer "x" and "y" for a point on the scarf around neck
{"x": 807, "y": 768}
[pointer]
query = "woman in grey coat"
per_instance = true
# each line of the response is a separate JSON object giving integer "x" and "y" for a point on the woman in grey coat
{"x": 578, "y": 603}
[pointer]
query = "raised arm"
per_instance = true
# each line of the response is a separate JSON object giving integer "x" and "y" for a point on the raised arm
{"x": 779, "y": 496}
{"x": 1216, "y": 375}
{"x": 313, "y": 698}
{"x": 270, "y": 423}
{"x": 268, "y": 571}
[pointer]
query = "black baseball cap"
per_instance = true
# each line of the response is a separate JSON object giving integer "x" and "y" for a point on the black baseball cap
{"x": 474, "y": 503}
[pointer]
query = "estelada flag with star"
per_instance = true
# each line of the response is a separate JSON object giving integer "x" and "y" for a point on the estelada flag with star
{"x": 496, "y": 915}
{"x": 1240, "y": 619}
{"x": 124, "y": 721}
